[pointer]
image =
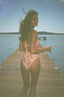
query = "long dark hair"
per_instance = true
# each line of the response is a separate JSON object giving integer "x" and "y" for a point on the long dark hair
{"x": 25, "y": 25}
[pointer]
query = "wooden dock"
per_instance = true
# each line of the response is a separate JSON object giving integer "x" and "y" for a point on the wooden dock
{"x": 50, "y": 82}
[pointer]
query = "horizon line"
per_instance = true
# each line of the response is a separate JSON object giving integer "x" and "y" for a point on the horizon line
{"x": 39, "y": 32}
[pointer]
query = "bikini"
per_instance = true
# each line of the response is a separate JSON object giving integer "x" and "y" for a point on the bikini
{"x": 28, "y": 58}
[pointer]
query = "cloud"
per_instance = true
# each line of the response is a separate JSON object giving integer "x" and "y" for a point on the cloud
{"x": 61, "y": 1}
{"x": 44, "y": 1}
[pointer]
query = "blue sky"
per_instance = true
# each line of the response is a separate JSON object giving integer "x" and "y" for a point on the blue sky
{"x": 51, "y": 14}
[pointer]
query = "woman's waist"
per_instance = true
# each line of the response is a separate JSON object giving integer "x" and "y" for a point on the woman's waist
{"x": 29, "y": 54}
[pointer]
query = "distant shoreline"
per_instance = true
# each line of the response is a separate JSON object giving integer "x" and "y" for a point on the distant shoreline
{"x": 43, "y": 33}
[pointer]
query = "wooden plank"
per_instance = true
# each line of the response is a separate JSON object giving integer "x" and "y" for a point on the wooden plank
{"x": 50, "y": 82}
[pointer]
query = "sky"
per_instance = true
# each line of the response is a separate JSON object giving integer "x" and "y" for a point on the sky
{"x": 50, "y": 18}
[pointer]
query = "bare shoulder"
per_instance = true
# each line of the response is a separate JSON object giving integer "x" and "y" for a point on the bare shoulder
{"x": 35, "y": 32}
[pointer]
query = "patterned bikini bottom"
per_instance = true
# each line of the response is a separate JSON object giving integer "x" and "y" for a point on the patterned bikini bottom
{"x": 28, "y": 59}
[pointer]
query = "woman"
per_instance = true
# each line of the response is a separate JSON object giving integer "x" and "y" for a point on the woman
{"x": 29, "y": 43}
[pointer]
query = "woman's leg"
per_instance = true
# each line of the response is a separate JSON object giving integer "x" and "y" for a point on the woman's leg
{"x": 35, "y": 69}
{"x": 25, "y": 76}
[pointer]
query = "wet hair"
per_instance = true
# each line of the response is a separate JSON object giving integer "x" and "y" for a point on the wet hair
{"x": 25, "y": 25}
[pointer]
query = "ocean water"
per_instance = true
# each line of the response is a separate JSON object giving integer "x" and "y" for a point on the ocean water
{"x": 10, "y": 42}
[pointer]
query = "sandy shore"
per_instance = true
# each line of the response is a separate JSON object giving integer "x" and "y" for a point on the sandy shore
{"x": 50, "y": 82}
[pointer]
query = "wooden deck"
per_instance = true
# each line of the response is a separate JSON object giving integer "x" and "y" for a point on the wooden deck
{"x": 50, "y": 82}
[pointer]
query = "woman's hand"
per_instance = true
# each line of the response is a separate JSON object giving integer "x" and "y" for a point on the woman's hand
{"x": 48, "y": 49}
{"x": 39, "y": 46}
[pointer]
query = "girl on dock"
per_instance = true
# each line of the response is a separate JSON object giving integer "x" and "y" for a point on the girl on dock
{"x": 29, "y": 44}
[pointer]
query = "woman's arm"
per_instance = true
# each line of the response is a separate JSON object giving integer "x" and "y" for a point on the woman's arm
{"x": 21, "y": 46}
{"x": 38, "y": 45}
{"x": 35, "y": 50}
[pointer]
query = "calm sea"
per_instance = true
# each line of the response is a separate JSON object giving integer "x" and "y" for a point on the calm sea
{"x": 10, "y": 42}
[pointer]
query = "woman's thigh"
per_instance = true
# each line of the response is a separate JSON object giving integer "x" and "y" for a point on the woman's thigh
{"x": 35, "y": 65}
{"x": 25, "y": 74}
{"x": 35, "y": 69}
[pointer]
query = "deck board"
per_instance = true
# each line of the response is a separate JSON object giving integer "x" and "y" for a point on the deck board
{"x": 50, "y": 82}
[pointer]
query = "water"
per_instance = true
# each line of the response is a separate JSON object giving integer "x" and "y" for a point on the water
{"x": 10, "y": 42}
{"x": 57, "y": 54}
